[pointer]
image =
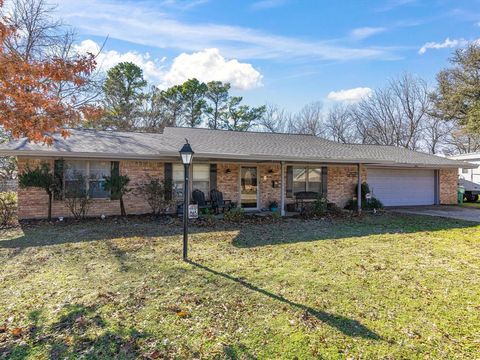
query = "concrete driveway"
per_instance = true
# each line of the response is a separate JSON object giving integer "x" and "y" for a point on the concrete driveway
{"x": 452, "y": 212}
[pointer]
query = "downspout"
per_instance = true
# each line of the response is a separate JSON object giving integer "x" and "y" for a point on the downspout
{"x": 359, "y": 190}
{"x": 282, "y": 188}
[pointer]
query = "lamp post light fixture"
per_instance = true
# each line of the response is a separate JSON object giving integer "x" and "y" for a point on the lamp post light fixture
{"x": 187, "y": 156}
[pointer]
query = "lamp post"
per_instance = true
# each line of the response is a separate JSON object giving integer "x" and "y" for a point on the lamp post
{"x": 187, "y": 155}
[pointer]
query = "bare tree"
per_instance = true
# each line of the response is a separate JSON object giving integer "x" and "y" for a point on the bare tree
{"x": 274, "y": 120}
{"x": 394, "y": 115}
{"x": 340, "y": 126}
{"x": 460, "y": 141}
{"x": 310, "y": 120}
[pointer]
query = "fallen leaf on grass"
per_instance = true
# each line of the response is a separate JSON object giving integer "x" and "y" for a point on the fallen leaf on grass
{"x": 182, "y": 314}
{"x": 16, "y": 332}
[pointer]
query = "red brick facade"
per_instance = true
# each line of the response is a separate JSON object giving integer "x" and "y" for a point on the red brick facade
{"x": 32, "y": 203}
{"x": 448, "y": 186}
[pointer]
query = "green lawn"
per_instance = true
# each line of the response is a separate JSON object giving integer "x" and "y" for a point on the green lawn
{"x": 390, "y": 286}
{"x": 472, "y": 204}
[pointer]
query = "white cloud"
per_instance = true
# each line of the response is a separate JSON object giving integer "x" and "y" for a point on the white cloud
{"x": 135, "y": 22}
{"x": 364, "y": 32}
{"x": 350, "y": 95}
{"x": 267, "y": 4}
{"x": 448, "y": 43}
{"x": 208, "y": 65}
{"x": 153, "y": 69}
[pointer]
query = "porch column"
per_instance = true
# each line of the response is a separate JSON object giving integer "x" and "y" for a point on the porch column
{"x": 359, "y": 190}
{"x": 282, "y": 188}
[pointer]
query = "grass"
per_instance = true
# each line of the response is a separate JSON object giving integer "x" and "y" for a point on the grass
{"x": 390, "y": 286}
{"x": 475, "y": 205}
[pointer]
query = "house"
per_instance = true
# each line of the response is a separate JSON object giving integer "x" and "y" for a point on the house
{"x": 250, "y": 168}
{"x": 470, "y": 177}
{"x": 467, "y": 173}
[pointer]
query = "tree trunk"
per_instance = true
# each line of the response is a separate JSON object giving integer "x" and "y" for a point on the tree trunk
{"x": 50, "y": 196}
{"x": 122, "y": 207}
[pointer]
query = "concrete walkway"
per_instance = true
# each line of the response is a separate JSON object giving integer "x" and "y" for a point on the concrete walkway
{"x": 452, "y": 212}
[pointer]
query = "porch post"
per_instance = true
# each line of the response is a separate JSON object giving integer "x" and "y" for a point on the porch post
{"x": 282, "y": 188}
{"x": 359, "y": 190}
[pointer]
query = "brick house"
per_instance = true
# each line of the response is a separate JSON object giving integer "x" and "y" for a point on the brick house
{"x": 252, "y": 169}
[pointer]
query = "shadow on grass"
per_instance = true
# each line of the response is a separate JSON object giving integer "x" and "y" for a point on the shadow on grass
{"x": 74, "y": 335}
{"x": 343, "y": 324}
{"x": 249, "y": 235}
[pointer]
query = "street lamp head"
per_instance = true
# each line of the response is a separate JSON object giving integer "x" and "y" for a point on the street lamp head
{"x": 187, "y": 153}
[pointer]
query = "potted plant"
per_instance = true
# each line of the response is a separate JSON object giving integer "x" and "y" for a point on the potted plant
{"x": 273, "y": 206}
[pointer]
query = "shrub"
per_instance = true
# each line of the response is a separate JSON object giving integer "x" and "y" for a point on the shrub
{"x": 370, "y": 204}
{"x": 234, "y": 214}
{"x": 318, "y": 208}
{"x": 155, "y": 193}
{"x": 118, "y": 186}
{"x": 41, "y": 177}
{"x": 8, "y": 207}
{"x": 76, "y": 197}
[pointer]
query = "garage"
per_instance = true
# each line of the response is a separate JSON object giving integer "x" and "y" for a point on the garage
{"x": 402, "y": 187}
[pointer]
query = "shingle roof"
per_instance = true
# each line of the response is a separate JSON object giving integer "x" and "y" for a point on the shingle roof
{"x": 219, "y": 144}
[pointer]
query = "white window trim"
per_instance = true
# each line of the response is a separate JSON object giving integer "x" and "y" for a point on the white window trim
{"x": 307, "y": 175}
{"x": 191, "y": 180}
{"x": 87, "y": 179}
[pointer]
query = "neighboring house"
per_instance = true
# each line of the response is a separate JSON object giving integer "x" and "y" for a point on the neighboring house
{"x": 470, "y": 174}
{"x": 250, "y": 168}
{"x": 470, "y": 177}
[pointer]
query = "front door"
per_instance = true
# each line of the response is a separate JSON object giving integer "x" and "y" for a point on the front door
{"x": 249, "y": 188}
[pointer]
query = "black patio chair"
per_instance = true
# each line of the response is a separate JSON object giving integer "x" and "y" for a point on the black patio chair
{"x": 198, "y": 198}
{"x": 218, "y": 202}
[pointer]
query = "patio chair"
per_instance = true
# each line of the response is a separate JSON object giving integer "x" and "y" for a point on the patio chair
{"x": 218, "y": 202}
{"x": 198, "y": 198}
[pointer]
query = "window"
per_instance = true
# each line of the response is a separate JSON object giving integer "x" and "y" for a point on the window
{"x": 464, "y": 171}
{"x": 307, "y": 179}
{"x": 200, "y": 176}
{"x": 178, "y": 180}
{"x": 96, "y": 178}
{"x": 87, "y": 175}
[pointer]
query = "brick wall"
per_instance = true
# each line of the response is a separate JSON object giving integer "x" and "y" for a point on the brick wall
{"x": 341, "y": 187}
{"x": 267, "y": 174}
{"x": 33, "y": 202}
{"x": 341, "y": 183}
{"x": 448, "y": 186}
{"x": 228, "y": 181}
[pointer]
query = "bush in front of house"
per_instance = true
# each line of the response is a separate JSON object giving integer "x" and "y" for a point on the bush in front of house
{"x": 235, "y": 214}
{"x": 318, "y": 208}
{"x": 118, "y": 186}
{"x": 76, "y": 197}
{"x": 41, "y": 177}
{"x": 367, "y": 204}
{"x": 158, "y": 194}
{"x": 8, "y": 208}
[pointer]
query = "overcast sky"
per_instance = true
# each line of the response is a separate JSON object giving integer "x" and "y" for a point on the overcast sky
{"x": 286, "y": 52}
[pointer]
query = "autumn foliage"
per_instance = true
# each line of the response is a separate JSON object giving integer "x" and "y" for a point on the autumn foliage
{"x": 31, "y": 104}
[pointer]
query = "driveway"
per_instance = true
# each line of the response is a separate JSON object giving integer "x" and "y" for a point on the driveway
{"x": 452, "y": 212}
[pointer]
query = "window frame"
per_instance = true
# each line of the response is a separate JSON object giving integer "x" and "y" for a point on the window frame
{"x": 87, "y": 178}
{"x": 191, "y": 179}
{"x": 307, "y": 169}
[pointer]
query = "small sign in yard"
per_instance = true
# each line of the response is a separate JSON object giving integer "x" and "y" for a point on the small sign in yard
{"x": 193, "y": 211}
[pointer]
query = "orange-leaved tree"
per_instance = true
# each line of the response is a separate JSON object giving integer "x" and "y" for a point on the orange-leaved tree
{"x": 30, "y": 102}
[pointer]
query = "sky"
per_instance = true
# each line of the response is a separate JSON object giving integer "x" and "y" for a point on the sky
{"x": 283, "y": 52}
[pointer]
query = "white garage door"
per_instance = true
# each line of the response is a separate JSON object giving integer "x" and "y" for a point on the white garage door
{"x": 394, "y": 187}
